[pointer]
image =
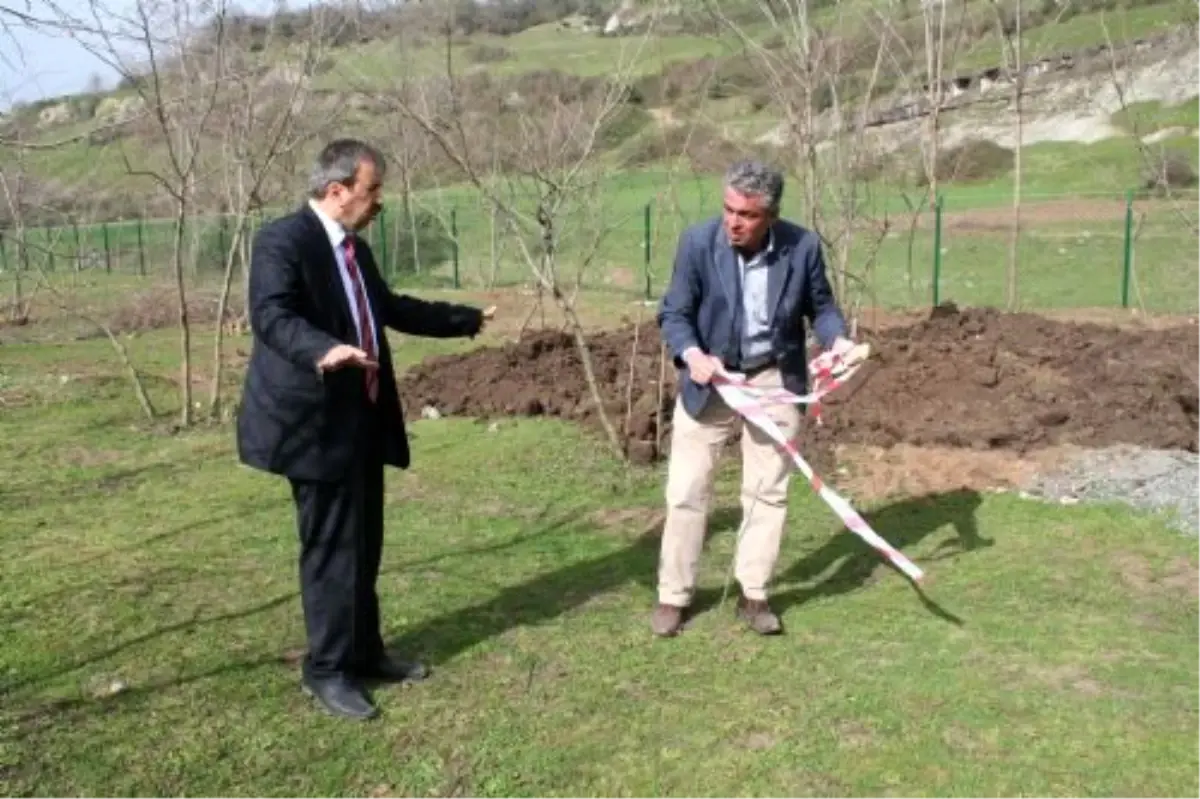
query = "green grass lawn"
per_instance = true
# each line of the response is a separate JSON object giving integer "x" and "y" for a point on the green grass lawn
{"x": 1056, "y": 653}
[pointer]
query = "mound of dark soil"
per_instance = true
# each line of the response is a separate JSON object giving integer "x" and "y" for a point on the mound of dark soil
{"x": 976, "y": 378}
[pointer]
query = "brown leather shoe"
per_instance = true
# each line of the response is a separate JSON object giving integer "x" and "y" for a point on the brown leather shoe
{"x": 757, "y": 615}
{"x": 666, "y": 620}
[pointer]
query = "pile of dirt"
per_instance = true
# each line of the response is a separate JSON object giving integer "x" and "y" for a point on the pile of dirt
{"x": 976, "y": 378}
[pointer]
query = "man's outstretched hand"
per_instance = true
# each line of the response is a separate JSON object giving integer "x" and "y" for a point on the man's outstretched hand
{"x": 345, "y": 355}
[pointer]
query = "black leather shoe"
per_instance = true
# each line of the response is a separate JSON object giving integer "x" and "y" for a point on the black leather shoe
{"x": 388, "y": 669}
{"x": 341, "y": 697}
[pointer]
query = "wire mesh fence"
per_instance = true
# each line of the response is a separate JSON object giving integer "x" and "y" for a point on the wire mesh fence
{"x": 1100, "y": 250}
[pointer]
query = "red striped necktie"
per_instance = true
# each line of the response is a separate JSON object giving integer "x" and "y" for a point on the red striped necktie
{"x": 366, "y": 340}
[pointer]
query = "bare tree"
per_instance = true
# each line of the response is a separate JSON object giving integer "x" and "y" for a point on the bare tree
{"x": 826, "y": 120}
{"x": 261, "y": 109}
{"x": 178, "y": 75}
{"x": 13, "y": 190}
{"x": 14, "y": 183}
{"x": 1011, "y": 35}
{"x": 421, "y": 161}
{"x": 549, "y": 175}
{"x": 1163, "y": 172}
{"x": 408, "y": 148}
{"x": 935, "y": 51}
{"x": 12, "y": 54}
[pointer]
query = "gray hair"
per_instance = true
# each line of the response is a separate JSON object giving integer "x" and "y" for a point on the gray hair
{"x": 338, "y": 163}
{"x": 757, "y": 179}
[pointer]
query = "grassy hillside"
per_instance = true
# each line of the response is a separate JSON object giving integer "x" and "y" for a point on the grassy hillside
{"x": 694, "y": 100}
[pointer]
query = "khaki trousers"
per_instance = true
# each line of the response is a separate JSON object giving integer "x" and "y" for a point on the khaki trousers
{"x": 766, "y": 471}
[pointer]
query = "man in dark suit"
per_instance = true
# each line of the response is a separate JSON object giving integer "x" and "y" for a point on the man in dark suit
{"x": 743, "y": 284}
{"x": 320, "y": 407}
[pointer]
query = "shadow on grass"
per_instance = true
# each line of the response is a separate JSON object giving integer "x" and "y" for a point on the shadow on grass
{"x": 28, "y": 721}
{"x": 558, "y": 592}
{"x": 99, "y": 579}
{"x": 191, "y": 625}
{"x": 111, "y": 651}
{"x": 903, "y": 524}
{"x": 104, "y": 483}
{"x": 551, "y": 595}
{"x": 539, "y": 600}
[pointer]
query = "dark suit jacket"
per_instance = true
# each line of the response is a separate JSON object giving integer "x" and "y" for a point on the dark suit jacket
{"x": 703, "y": 305}
{"x": 293, "y": 420}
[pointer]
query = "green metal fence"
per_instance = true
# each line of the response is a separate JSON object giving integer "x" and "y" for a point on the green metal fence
{"x": 1073, "y": 251}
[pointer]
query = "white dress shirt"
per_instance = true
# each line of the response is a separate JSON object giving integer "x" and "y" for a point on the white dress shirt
{"x": 337, "y": 234}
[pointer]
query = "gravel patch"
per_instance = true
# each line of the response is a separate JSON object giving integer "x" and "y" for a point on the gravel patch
{"x": 1146, "y": 479}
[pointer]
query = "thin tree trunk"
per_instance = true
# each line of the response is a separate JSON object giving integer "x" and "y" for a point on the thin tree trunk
{"x": 934, "y": 58}
{"x": 135, "y": 380}
{"x": 589, "y": 374}
{"x": 1015, "y": 238}
{"x": 495, "y": 260}
{"x": 214, "y": 392}
{"x": 412, "y": 222}
{"x": 20, "y": 313}
{"x": 246, "y": 253}
{"x": 185, "y": 338}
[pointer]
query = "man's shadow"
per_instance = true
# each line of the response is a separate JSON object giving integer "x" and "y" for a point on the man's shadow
{"x": 903, "y": 524}
{"x": 553, "y": 594}
{"x": 542, "y": 599}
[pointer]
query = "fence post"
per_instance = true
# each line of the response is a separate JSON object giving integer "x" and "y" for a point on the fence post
{"x": 383, "y": 255}
{"x": 454, "y": 241}
{"x": 3, "y": 253}
{"x": 107, "y": 250}
{"x": 1127, "y": 268}
{"x": 49, "y": 250}
{"x": 141, "y": 249}
{"x": 78, "y": 249}
{"x": 646, "y": 247}
{"x": 937, "y": 251}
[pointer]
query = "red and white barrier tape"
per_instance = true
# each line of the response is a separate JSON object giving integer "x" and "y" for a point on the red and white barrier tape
{"x": 828, "y": 372}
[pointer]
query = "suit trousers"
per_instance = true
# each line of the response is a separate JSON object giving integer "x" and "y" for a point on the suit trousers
{"x": 696, "y": 444}
{"x": 341, "y": 542}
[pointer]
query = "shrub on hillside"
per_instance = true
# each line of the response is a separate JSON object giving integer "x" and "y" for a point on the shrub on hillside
{"x": 620, "y": 126}
{"x": 686, "y": 79}
{"x": 973, "y": 160}
{"x": 543, "y": 86}
{"x": 870, "y": 167}
{"x": 1173, "y": 171}
{"x": 506, "y": 19}
{"x": 734, "y": 77}
{"x": 489, "y": 54}
{"x": 105, "y": 136}
{"x": 703, "y": 147}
